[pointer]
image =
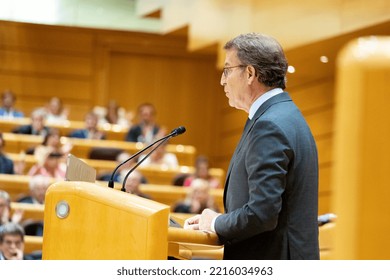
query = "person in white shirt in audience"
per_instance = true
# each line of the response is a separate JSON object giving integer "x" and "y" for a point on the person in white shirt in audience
{"x": 161, "y": 158}
{"x": 55, "y": 111}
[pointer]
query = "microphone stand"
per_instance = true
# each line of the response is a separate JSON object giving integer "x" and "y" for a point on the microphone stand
{"x": 111, "y": 181}
{"x": 141, "y": 161}
{"x": 177, "y": 131}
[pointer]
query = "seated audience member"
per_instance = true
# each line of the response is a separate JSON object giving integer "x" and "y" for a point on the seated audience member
{"x": 50, "y": 164}
{"x": 5, "y": 210}
{"x": 202, "y": 172}
{"x": 91, "y": 130}
{"x": 121, "y": 157}
{"x": 197, "y": 200}
{"x": 113, "y": 114}
{"x": 146, "y": 130}
{"x": 161, "y": 158}
{"x": 12, "y": 242}
{"x": 37, "y": 126}
{"x": 7, "y": 110}
{"x": 55, "y": 112}
{"x": 38, "y": 186}
{"x": 122, "y": 170}
{"x": 133, "y": 182}
{"x": 6, "y": 164}
{"x": 52, "y": 143}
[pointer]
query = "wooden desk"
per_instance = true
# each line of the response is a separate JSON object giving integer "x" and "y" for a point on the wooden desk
{"x": 113, "y": 132}
{"x": 17, "y": 185}
{"x": 15, "y": 143}
{"x": 326, "y": 239}
{"x": 170, "y": 195}
{"x": 30, "y": 211}
{"x": 154, "y": 174}
{"x": 32, "y": 243}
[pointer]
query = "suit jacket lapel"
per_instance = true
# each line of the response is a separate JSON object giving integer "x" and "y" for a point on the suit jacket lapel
{"x": 282, "y": 97}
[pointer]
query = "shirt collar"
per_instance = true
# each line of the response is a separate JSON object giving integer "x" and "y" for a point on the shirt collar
{"x": 260, "y": 101}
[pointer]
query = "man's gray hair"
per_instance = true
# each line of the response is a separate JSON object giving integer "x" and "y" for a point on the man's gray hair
{"x": 265, "y": 54}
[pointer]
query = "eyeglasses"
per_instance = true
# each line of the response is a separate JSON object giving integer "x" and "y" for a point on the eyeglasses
{"x": 226, "y": 69}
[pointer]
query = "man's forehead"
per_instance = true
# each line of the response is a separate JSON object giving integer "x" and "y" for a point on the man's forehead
{"x": 231, "y": 57}
{"x": 12, "y": 237}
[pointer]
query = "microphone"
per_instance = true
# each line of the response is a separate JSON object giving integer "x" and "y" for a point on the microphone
{"x": 174, "y": 133}
{"x": 177, "y": 131}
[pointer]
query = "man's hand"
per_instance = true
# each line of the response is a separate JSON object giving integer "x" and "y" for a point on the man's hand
{"x": 201, "y": 222}
{"x": 206, "y": 218}
{"x": 192, "y": 223}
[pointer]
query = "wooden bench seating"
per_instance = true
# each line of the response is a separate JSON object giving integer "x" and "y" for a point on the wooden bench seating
{"x": 17, "y": 185}
{"x": 30, "y": 211}
{"x": 154, "y": 174}
{"x": 15, "y": 143}
{"x": 113, "y": 132}
{"x": 33, "y": 243}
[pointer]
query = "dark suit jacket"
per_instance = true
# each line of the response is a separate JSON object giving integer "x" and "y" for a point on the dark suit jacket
{"x": 135, "y": 133}
{"x": 271, "y": 190}
{"x": 6, "y": 165}
{"x": 27, "y": 129}
{"x": 82, "y": 134}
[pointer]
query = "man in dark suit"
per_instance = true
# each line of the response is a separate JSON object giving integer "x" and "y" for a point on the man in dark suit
{"x": 91, "y": 130}
{"x": 271, "y": 189}
{"x": 146, "y": 130}
{"x": 37, "y": 126}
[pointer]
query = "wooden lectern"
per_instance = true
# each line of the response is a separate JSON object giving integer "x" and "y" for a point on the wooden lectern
{"x": 88, "y": 221}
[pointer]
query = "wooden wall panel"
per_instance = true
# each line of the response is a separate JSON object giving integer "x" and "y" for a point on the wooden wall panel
{"x": 181, "y": 89}
{"x": 45, "y": 37}
{"x": 40, "y": 63}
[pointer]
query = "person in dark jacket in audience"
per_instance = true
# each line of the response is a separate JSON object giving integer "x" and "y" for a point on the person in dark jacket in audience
{"x": 146, "y": 130}
{"x": 6, "y": 164}
{"x": 7, "y": 110}
{"x": 91, "y": 130}
{"x": 12, "y": 243}
{"x": 37, "y": 126}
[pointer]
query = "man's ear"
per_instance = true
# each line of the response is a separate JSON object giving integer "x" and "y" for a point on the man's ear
{"x": 251, "y": 74}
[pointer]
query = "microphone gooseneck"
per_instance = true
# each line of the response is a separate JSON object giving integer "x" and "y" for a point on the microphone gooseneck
{"x": 174, "y": 133}
{"x": 177, "y": 131}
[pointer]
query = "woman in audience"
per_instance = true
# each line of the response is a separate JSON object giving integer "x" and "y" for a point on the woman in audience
{"x": 198, "y": 199}
{"x": 52, "y": 143}
{"x": 55, "y": 112}
{"x": 202, "y": 172}
{"x": 50, "y": 164}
